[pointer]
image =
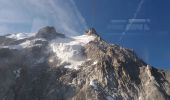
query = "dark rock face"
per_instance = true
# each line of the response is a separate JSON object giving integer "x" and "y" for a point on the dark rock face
{"x": 110, "y": 72}
{"x": 5, "y": 41}
{"x": 91, "y": 31}
{"x": 5, "y": 52}
{"x": 48, "y": 33}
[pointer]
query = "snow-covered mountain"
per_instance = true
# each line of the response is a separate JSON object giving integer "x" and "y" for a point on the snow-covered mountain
{"x": 52, "y": 66}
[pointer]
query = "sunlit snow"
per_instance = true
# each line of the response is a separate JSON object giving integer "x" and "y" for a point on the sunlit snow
{"x": 95, "y": 62}
{"x": 70, "y": 50}
{"x": 19, "y": 36}
{"x": 93, "y": 83}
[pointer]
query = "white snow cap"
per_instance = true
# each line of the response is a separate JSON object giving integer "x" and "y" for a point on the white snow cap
{"x": 70, "y": 50}
{"x": 19, "y": 36}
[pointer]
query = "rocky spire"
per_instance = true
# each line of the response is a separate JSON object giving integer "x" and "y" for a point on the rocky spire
{"x": 91, "y": 31}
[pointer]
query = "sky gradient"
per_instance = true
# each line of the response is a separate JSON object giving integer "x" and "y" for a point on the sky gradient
{"x": 31, "y": 15}
{"x": 110, "y": 18}
{"x": 153, "y": 45}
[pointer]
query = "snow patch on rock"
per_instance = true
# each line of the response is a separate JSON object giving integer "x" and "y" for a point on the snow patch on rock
{"x": 12, "y": 47}
{"x": 93, "y": 83}
{"x": 17, "y": 72}
{"x": 31, "y": 43}
{"x": 148, "y": 68}
{"x": 95, "y": 62}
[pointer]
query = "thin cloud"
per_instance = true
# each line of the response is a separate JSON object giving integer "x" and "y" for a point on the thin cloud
{"x": 62, "y": 14}
{"x": 133, "y": 18}
{"x": 4, "y": 28}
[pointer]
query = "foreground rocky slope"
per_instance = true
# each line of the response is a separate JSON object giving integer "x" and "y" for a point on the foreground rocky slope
{"x": 51, "y": 66}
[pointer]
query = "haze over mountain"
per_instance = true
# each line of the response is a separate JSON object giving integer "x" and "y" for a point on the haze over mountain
{"x": 48, "y": 65}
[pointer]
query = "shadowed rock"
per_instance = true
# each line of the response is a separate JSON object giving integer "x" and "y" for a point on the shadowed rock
{"x": 91, "y": 31}
{"x": 48, "y": 33}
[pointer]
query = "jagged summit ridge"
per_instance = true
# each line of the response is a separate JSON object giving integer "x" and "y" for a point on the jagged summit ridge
{"x": 50, "y": 66}
{"x": 91, "y": 31}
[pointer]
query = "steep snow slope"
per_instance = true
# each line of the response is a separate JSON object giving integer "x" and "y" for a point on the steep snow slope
{"x": 70, "y": 50}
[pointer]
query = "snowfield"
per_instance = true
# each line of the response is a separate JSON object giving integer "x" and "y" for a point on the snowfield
{"x": 70, "y": 50}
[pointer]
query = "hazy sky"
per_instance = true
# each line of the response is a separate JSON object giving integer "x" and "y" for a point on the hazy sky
{"x": 30, "y": 15}
{"x": 72, "y": 17}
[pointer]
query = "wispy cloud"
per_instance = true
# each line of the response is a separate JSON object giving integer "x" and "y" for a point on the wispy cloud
{"x": 62, "y": 14}
{"x": 128, "y": 26}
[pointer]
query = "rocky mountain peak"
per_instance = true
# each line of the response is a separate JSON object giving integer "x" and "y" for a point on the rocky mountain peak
{"x": 48, "y": 32}
{"x": 91, "y": 31}
{"x": 50, "y": 66}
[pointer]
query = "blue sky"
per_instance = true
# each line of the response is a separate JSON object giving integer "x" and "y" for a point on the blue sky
{"x": 111, "y": 18}
{"x": 153, "y": 45}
